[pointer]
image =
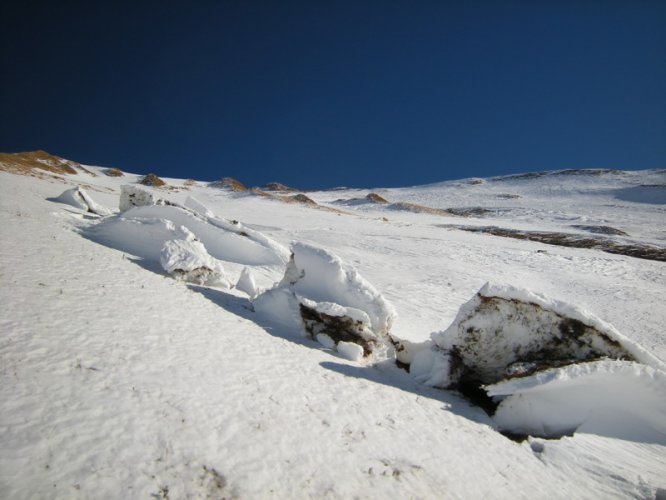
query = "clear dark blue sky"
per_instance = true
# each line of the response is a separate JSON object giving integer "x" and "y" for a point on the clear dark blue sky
{"x": 324, "y": 93}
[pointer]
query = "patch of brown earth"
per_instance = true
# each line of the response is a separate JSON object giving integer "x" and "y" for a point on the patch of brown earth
{"x": 277, "y": 186}
{"x": 114, "y": 172}
{"x": 640, "y": 251}
{"x": 338, "y": 328}
{"x": 419, "y": 209}
{"x": 152, "y": 180}
{"x": 229, "y": 183}
{"x": 375, "y": 198}
{"x": 26, "y": 163}
{"x": 300, "y": 199}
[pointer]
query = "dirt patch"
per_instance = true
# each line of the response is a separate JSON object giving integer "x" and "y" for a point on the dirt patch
{"x": 25, "y": 163}
{"x": 507, "y": 196}
{"x": 375, "y": 198}
{"x": 277, "y": 186}
{"x": 300, "y": 199}
{"x": 600, "y": 230}
{"x": 114, "y": 172}
{"x": 419, "y": 209}
{"x": 572, "y": 240}
{"x": 229, "y": 183}
{"x": 469, "y": 212}
{"x": 339, "y": 328}
{"x": 152, "y": 180}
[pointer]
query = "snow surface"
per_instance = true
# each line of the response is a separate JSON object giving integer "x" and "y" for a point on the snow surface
{"x": 120, "y": 382}
{"x": 610, "y": 398}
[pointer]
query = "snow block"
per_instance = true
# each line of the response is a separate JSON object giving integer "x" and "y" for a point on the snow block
{"x": 246, "y": 283}
{"x": 617, "y": 399}
{"x": 79, "y": 198}
{"x": 323, "y": 296}
{"x": 187, "y": 259}
{"x": 506, "y": 332}
{"x": 134, "y": 196}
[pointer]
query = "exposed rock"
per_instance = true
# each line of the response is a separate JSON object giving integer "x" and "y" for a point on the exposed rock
{"x": 301, "y": 198}
{"x": 114, "y": 172}
{"x": 276, "y": 186}
{"x": 229, "y": 183}
{"x": 152, "y": 180}
{"x": 506, "y": 332}
{"x": 419, "y": 209}
{"x": 375, "y": 198}
{"x": 600, "y": 230}
{"x": 640, "y": 251}
{"x": 25, "y": 163}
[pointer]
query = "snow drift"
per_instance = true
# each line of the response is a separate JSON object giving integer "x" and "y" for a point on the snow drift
{"x": 328, "y": 300}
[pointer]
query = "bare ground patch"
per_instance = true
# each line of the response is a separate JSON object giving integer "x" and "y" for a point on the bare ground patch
{"x": 640, "y": 251}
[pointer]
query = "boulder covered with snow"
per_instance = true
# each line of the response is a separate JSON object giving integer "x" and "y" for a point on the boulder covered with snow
{"x": 506, "y": 332}
{"x": 327, "y": 299}
{"x": 187, "y": 259}
{"x": 79, "y": 198}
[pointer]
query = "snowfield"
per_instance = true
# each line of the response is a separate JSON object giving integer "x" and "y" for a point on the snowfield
{"x": 267, "y": 368}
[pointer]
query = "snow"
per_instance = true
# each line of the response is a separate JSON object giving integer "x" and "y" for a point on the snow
{"x": 79, "y": 198}
{"x": 321, "y": 282}
{"x": 350, "y": 351}
{"x": 503, "y": 325}
{"x": 247, "y": 284}
{"x": 188, "y": 259}
{"x": 617, "y": 399}
{"x": 121, "y": 382}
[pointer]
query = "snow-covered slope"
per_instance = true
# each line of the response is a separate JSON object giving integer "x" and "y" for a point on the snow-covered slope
{"x": 121, "y": 382}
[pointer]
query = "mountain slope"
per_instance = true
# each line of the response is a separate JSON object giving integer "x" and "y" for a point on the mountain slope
{"x": 123, "y": 382}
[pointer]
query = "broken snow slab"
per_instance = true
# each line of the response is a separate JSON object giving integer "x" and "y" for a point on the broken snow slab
{"x": 147, "y": 222}
{"x": 327, "y": 299}
{"x": 187, "y": 259}
{"x": 619, "y": 399}
{"x": 506, "y": 332}
{"x": 79, "y": 198}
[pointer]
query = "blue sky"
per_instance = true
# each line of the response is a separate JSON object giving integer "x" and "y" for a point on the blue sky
{"x": 321, "y": 93}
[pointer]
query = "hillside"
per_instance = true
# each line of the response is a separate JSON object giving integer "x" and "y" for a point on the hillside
{"x": 148, "y": 353}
